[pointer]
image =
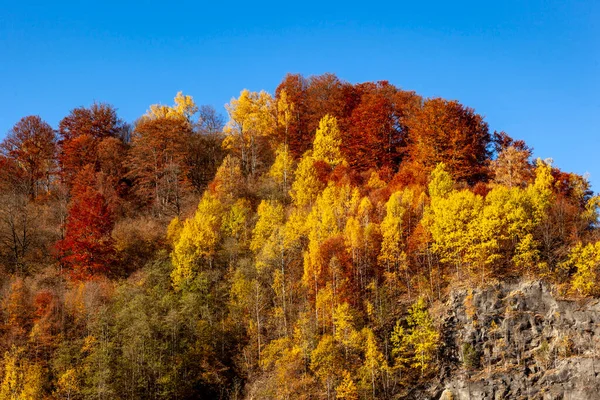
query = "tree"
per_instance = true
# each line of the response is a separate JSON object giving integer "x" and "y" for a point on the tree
{"x": 197, "y": 243}
{"x": 394, "y": 233}
{"x": 294, "y": 129}
{"x": 421, "y": 339}
{"x": 206, "y": 147}
{"x": 282, "y": 170}
{"x": 80, "y": 133}
{"x": 326, "y": 146}
{"x": 585, "y": 260}
{"x": 512, "y": 168}
{"x": 347, "y": 388}
{"x": 229, "y": 180}
{"x": 446, "y": 131}
{"x": 375, "y": 366}
{"x": 451, "y": 218}
{"x": 31, "y": 144}
{"x": 157, "y": 162}
{"x": 87, "y": 248}
{"x": 270, "y": 216}
{"x": 376, "y": 129}
{"x": 306, "y": 185}
{"x": 20, "y": 219}
{"x": 326, "y": 362}
{"x": 250, "y": 128}
{"x": 184, "y": 108}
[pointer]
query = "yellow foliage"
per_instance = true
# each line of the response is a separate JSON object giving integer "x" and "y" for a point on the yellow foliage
{"x": 184, "y": 107}
{"x": 270, "y": 216}
{"x": 346, "y": 389}
{"x": 586, "y": 260}
{"x": 21, "y": 379}
{"x": 235, "y": 222}
{"x": 327, "y": 142}
{"x": 197, "y": 242}
{"x": 251, "y": 119}
{"x": 174, "y": 230}
{"x": 33, "y": 381}
{"x": 392, "y": 229}
{"x": 68, "y": 384}
{"x": 306, "y": 185}
{"x": 228, "y": 179}
{"x": 325, "y": 361}
{"x": 418, "y": 345}
{"x": 440, "y": 183}
{"x": 374, "y": 365}
{"x": 282, "y": 170}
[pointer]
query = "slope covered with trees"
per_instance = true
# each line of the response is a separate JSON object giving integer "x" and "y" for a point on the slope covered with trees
{"x": 303, "y": 247}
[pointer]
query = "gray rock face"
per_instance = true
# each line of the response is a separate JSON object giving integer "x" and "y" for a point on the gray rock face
{"x": 519, "y": 341}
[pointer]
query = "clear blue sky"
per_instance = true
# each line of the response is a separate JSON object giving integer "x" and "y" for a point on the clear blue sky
{"x": 532, "y": 68}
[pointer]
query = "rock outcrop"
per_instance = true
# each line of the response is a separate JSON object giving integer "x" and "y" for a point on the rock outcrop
{"x": 520, "y": 341}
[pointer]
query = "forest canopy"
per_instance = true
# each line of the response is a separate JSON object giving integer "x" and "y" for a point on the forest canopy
{"x": 299, "y": 247}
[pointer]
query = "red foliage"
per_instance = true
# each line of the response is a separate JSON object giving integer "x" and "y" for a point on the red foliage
{"x": 446, "y": 131}
{"x": 313, "y": 98}
{"x": 32, "y": 146}
{"x": 43, "y": 303}
{"x": 158, "y": 161}
{"x": 337, "y": 268}
{"x": 87, "y": 248}
{"x": 375, "y": 130}
{"x": 81, "y": 132}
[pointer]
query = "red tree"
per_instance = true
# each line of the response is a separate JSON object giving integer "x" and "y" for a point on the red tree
{"x": 32, "y": 146}
{"x": 87, "y": 248}
{"x": 158, "y": 161}
{"x": 446, "y": 131}
{"x": 80, "y": 134}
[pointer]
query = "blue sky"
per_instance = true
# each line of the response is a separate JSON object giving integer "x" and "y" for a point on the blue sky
{"x": 532, "y": 68}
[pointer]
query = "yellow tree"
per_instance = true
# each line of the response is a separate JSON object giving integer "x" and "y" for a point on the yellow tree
{"x": 11, "y": 382}
{"x": 326, "y": 363}
{"x": 327, "y": 219}
{"x": 327, "y": 142}
{"x": 275, "y": 243}
{"x": 236, "y": 229}
{"x": 270, "y": 216}
{"x": 282, "y": 170}
{"x": 307, "y": 185}
{"x": 197, "y": 242}
{"x": 285, "y": 359}
{"x": 451, "y": 218}
{"x": 374, "y": 366}
{"x": 285, "y": 113}
{"x": 347, "y": 388}
{"x": 228, "y": 182}
{"x": 392, "y": 253}
{"x": 184, "y": 108}
{"x": 585, "y": 260}
{"x": 251, "y": 127}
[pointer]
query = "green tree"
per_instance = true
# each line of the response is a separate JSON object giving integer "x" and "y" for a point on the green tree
{"x": 421, "y": 340}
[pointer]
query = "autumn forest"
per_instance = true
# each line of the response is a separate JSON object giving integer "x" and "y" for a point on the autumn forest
{"x": 301, "y": 247}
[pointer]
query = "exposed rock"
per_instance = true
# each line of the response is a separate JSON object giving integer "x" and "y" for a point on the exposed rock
{"x": 520, "y": 341}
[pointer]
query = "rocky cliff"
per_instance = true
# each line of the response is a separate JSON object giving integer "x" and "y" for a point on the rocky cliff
{"x": 520, "y": 341}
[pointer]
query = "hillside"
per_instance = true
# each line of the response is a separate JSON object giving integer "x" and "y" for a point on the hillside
{"x": 333, "y": 241}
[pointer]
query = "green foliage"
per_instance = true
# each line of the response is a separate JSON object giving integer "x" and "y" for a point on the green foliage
{"x": 420, "y": 341}
{"x": 470, "y": 356}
